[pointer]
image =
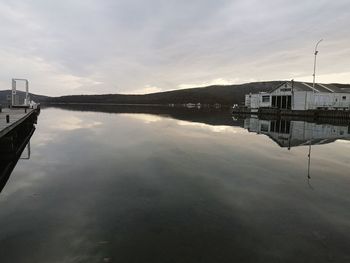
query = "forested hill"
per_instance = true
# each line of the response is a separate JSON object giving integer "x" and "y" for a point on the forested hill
{"x": 225, "y": 95}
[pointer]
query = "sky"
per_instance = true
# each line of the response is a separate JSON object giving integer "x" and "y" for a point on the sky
{"x": 133, "y": 46}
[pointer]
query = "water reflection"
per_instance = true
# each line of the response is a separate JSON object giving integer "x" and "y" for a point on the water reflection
{"x": 168, "y": 187}
{"x": 285, "y": 132}
{"x": 292, "y": 133}
{"x": 14, "y": 146}
{"x": 208, "y": 116}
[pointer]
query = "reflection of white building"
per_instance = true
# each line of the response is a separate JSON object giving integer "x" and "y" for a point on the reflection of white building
{"x": 295, "y": 133}
{"x": 300, "y": 96}
{"x": 193, "y": 105}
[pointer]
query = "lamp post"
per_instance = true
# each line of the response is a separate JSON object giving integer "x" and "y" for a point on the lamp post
{"x": 314, "y": 75}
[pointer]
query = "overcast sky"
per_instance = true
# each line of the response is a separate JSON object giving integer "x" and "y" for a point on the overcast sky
{"x": 131, "y": 46}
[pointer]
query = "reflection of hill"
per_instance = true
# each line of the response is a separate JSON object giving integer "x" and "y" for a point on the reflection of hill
{"x": 286, "y": 132}
{"x": 206, "y": 115}
{"x": 11, "y": 148}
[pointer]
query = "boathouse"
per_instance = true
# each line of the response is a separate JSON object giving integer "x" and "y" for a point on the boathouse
{"x": 300, "y": 96}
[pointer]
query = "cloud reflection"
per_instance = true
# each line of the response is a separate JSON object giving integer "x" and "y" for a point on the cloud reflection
{"x": 154, "y": 189}
{"x": 70, "y": 123}
{"x": 212, "y": 128}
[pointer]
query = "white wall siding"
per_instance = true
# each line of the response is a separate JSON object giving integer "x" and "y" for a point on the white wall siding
{"x": 254, "y": 100}
{"x": 299, "y": 100}
{"x": 343, "y": 100}
{"x": 328, "y": 100}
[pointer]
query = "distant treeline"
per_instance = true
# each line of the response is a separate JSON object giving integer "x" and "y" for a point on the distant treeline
{"x": 224, "y": 95}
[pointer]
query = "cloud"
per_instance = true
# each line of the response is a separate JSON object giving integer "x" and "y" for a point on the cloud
{"x": 146, "y": 118}
{"x": 219, "y": 81}
{"x": 341, "y": 77}
{"x": 125, "y": 46}
{"x": 147, "y": 89}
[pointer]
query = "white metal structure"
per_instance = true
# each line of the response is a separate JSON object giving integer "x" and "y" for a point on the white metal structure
{"x": 14, "y": 98}
{"x": 27, "y": 102}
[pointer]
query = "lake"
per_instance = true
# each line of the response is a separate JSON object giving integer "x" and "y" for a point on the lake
{"x": 133, "y": 184}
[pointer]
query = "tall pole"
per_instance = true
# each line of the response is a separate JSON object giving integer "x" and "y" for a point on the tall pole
{"x": 314, "y": 75}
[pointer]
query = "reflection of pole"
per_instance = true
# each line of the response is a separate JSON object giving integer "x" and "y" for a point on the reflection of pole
{"x": 309, "y": 161}
{"x": 290, "y": 135}
{"x": 308, "y": 166}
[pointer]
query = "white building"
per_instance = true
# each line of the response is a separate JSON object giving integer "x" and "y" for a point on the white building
{"x": 300, "y": 96}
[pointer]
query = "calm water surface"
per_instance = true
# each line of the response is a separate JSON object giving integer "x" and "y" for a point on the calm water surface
{"x": 127, "y": 187}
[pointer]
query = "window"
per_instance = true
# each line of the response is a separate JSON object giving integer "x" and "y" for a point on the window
{"x": 265, "y": 98}
{"x": 289, "y": 102}
{"x": 264, "y": 127}
{"x": 344, "y": 97}
{"x": 274, "y": 99}
{"x": 284, "y": 102}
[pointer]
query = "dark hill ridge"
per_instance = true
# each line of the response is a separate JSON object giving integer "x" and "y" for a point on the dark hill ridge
{"x": 345, "y": 87}
{"x": 225, "y": 95}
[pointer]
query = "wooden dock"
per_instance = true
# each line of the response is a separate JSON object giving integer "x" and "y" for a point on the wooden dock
{"x": 11, "y": 118}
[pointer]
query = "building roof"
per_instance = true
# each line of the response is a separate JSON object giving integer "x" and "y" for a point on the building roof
{"x": 305, "y": 86}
